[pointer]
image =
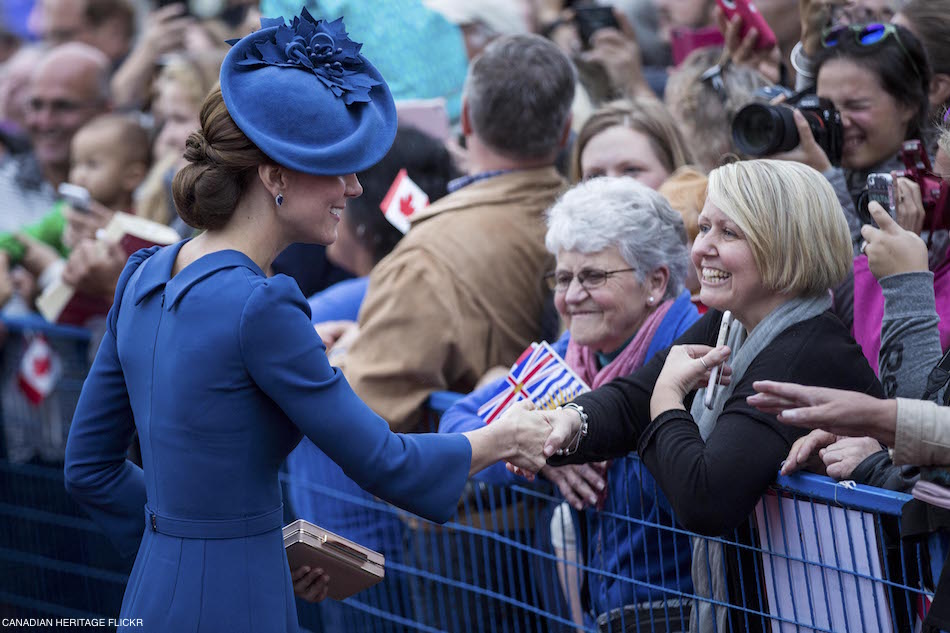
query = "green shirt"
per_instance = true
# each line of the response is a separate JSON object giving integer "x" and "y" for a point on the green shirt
{"x": 48, "y": 229}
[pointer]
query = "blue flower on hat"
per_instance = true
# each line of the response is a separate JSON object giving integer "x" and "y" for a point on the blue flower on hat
{"x": 322, "y": 47}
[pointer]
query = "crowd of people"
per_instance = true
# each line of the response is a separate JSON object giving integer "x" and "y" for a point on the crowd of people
{"x": 733, "y": 240}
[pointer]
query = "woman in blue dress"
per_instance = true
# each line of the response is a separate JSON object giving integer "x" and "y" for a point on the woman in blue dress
{"x": 217, "y": 365}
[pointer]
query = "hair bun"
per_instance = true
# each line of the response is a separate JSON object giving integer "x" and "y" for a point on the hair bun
{"x": 199, "y": 150}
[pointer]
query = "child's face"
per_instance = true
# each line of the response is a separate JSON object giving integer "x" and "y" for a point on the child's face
{"x": 99, "y": 163}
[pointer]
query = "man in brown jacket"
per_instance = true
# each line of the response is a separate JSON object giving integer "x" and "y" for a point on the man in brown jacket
{"x": 464, "y": 290}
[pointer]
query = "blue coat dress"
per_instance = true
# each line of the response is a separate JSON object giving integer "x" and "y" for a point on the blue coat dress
{"x": 221, "y": 373}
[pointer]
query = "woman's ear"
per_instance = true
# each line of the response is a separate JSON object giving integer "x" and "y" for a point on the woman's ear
{"x": 273, "y": 177}
{"x": 657, "y": 281}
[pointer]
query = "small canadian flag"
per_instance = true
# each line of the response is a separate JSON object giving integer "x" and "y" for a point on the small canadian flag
{"x": 39, "y": 370}
{"x": 404, "y": 198}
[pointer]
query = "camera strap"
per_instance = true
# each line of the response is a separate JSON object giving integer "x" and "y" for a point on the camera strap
{"x": 938, "y": 378}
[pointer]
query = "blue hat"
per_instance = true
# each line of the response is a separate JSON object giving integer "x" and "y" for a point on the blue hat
{"x": 306, "y": 97}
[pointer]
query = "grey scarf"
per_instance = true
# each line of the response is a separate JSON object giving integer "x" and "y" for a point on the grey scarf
{"x": 708, "y": 567}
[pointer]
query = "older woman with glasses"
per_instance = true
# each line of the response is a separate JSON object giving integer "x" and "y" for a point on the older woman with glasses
{"x": 771, "y": 243}
{"x": 618, "y": 286}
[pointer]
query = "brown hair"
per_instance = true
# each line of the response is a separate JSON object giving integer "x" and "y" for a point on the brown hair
{"x": 930, "y": 21}
{"x": 647, "y": 116}
{"x": 221, "y": 162}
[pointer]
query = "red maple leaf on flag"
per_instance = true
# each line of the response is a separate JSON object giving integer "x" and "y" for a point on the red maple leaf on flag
{"x": 41, "y": 365}
{"x": 405, "y": 205}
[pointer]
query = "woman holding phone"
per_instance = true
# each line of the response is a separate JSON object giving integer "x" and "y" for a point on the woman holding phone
{"x": 771, "y": 243}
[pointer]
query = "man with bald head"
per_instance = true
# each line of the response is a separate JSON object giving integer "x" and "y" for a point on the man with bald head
{"x": 68, "y": 88}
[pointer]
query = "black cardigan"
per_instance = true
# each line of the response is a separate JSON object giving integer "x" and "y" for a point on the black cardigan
{"x": 714, "y": 485}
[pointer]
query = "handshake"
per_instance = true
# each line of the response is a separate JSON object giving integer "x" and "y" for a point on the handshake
{"x": 524, "y": 437}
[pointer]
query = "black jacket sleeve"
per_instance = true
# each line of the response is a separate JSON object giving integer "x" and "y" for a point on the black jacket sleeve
{"x": 878, "y": 470}
{"x": 714, "y": 485}
{"x": 620, "y": 410}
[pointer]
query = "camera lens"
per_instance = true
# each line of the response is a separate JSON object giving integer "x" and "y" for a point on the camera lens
{"x": 763, "y": 130}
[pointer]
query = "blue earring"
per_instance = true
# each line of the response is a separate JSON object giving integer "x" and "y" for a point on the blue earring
{"x": 279, "y": 199}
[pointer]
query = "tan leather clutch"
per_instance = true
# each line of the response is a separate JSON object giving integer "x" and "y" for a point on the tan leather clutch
{"x": 351, "y": 567}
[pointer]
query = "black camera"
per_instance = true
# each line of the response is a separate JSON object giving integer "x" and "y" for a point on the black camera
{"x": 761, "y": 129}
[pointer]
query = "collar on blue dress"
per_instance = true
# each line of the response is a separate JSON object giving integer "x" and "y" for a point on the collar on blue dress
{"x": 156, "y": 272}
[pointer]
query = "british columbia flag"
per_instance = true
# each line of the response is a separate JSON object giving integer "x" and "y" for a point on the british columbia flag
{"x": 539, "y": 375}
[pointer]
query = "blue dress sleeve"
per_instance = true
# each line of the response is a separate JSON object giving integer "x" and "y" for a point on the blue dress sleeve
{"x": 423, "y": 473}
{"x": 463, "y": 416}
{"x": 110, "y": 488}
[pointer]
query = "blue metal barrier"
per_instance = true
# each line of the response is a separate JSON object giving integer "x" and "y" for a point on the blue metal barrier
{"x": 55, "y": 563}
{"x": 815, "y": 556}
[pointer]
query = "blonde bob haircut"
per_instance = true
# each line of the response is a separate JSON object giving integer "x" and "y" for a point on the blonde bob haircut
{"x": 792, "y": 221}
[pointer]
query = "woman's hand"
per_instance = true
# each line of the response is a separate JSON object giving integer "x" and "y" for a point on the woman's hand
{"x": 910, "y": 206}
{"x": 94, "y": 267}
{"x": 842, "y": 457}
{"x": 565, "y": 424}
{"x": 310, "y": 584}
{"x": 815, "y": 17}
{"x": 804, "y": 452}
{"x": 891, "y": 249}
{"x": 518, "y": 437}
{"x": 808, "y": 152}
{"x": 829, "y": 454}
{"x": 686, "y": 367}
{"x": 332, "y": 331}
{"x": 82, "y": 225}
{"x": 37, "y": 255}
{"x": 845, "y": 413}
{"x": 618, "y": 53}
{"x": 164, "y": 31}
{"x": 580, "y": 484}
{"x": 742, "y": 50}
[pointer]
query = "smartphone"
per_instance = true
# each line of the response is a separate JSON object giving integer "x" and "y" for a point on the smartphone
{"x": 77, "y": 197}
{"x": 684, "y": 41}
{"x": 881, "y": 190}
{"x": 590, "y": 19}
{"x": 750, "y": 18}
{"x": 714, "y": 374}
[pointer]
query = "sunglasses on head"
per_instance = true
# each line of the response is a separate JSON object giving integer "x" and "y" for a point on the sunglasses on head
{"x": 866, "y": 35}
{"x": 713, "y": 76}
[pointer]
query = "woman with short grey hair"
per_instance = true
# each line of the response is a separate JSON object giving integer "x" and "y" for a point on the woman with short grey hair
{"x": 618, "y": 287}
{"x": 621, "y": 212}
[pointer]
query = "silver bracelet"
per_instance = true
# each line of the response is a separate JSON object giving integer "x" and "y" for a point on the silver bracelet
{"x": 581, "y": 432}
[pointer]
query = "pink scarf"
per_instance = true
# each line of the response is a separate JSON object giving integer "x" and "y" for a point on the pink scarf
{"x": 583, "y": 360}
{"x": 869, "y": 308}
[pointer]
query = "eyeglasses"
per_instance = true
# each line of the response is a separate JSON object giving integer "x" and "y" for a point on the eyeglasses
{"x": 589, "y": 278}
{"x": 867, "y": 35}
